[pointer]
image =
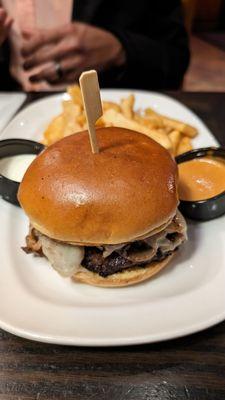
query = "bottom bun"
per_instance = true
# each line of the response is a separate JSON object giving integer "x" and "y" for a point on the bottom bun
{"x": 127, "y": 277}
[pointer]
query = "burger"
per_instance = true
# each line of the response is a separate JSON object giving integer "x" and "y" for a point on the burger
{"x": 108, "y": 219}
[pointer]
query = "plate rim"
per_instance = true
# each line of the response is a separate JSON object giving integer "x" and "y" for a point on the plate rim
{"x": 113, "y": 342}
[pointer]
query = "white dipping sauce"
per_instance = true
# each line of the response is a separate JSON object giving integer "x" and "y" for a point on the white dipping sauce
{"x": 14, "y": 167}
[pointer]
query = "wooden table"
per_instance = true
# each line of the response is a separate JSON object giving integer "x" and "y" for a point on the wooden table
{"x": 189, "y": 368}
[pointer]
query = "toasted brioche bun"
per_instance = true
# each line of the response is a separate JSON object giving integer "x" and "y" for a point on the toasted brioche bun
{"x": 125, "y": 191}
{"x": 127, "y": 277}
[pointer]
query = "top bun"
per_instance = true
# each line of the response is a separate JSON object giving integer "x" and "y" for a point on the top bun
{"x": 123, "y": 192}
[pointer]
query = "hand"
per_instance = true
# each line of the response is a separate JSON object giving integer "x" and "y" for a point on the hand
{"x": 75, "y": 47}
{"x": 5, "y": 24}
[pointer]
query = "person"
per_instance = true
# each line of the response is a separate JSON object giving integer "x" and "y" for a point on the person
{"x": 132, "y": 44}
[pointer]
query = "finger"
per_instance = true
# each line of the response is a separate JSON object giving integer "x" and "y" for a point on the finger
{"x": 48, "y": 74}
{"x": 8, "y": 23}
{"x": 72, "y": 76}
{"x": 5, "y": 28}
{"x": 41, "y": 38}
{"x": 3, "y": 15}
{"x": 71, "y": 63}
{"x": 68, "y": 67}
{"x": 27, "y": 34}
{"x": 34, "y": 41}
{"x": 54, "y": 53}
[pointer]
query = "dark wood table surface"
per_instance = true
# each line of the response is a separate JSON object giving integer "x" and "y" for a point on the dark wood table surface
{"x": 184, "y": 369}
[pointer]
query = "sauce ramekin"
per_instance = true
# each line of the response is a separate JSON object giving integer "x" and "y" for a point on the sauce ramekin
{"x": 206, "y": 209}
{"x": 9, "y": 148}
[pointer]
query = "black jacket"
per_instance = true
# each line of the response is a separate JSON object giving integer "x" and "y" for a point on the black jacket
{"x": 153, "y": 35}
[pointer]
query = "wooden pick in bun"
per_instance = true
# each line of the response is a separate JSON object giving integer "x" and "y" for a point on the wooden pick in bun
{"x": 125, "y": 194}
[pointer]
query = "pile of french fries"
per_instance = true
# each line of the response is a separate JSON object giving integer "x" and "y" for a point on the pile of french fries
{"x": 174, "y": 135}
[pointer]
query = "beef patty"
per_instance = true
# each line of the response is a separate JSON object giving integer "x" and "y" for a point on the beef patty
{"x": 108, "y": 259}
{"x": 115, "y": 262}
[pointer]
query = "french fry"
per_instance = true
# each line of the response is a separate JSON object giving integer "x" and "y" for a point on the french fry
{"x": 184, "y": 145}
{"x": 71, "y": 110}
{"x": 54, "y": 131}
{"x": 184, "y": 128}
{"x": 106, "y": 105}
{"x": 81, "y": 120}
{"x": 127, "y": 106}
{"x": 167, "y": 129}
{"x": 100, "y": 123}
{"x": 75, "y": 94}
{"x": 152, "y": 123}
{"x": 161, "y": 137}
{"x": 149, "y": 111}
{"x": 113, "y": 118}
{"x": 174, "y": 137}
{"x": 155, "y": 120}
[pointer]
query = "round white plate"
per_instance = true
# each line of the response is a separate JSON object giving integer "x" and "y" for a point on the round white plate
{"x": 37, "y": 303}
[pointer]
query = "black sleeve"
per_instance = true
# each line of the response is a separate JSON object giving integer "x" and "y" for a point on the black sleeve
{"x": 157, "y": 53}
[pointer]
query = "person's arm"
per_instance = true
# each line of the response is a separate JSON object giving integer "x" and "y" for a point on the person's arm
{"x": 157, "y": 57}
{"x": 5, "y": 25}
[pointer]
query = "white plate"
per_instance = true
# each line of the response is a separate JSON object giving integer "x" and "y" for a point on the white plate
{"x": 37, "y": 303}
{"x": 9, "y": 104}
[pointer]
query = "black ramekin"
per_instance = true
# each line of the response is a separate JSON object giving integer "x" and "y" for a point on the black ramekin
{"x": 207, "y": 209}
{"x": 14, "y": 147}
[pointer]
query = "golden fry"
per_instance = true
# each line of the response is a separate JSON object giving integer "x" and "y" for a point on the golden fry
{"x": 100, "y": 123}
{"x": 71, "y": 110}
{"x": 152, "y": 123}
{"x": 184, "y": 128}
{"x": 156, "y": 121}
{"x": 174, "y": 137}
{"x": 54, "y": 131}
{"x": 75, "y": 94}
{"x": 81, "y": 119}
{"x": 167, "y": 129}
{"x": 184, "y": 145}
{"x": 112, "y": 118}
{"x": 161, "y": 137}
{"x": 106, "y": 105}
{"x": 149, "y": 111}
{"x": 127, "y": 106}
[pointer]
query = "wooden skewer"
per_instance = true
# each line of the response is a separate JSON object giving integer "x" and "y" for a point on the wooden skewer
{"x": 92, "y": 104}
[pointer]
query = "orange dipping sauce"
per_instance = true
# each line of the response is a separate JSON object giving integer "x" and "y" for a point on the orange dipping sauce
{"x": 201, "y": 178}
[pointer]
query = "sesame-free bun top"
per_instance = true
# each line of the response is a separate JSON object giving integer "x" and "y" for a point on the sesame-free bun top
{"x": 123, "y": 192}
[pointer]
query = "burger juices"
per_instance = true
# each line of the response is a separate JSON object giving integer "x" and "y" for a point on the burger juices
{"x": 106, "y": 219}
